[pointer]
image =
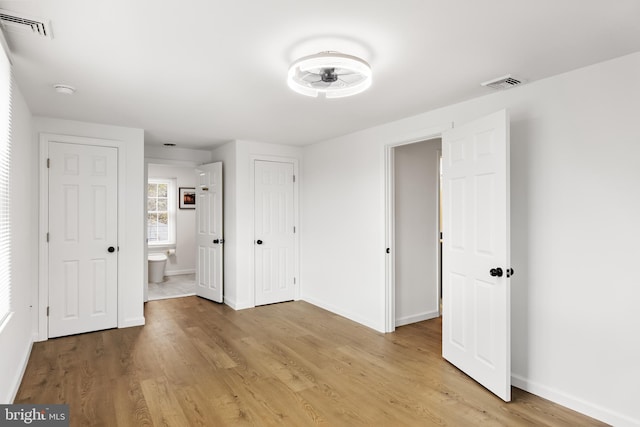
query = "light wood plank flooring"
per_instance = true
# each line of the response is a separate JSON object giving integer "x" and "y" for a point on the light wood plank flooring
{"x": 197, "y": 363}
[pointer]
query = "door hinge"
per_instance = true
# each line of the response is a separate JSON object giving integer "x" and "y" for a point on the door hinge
{"x": 294, "y": 229}
{"x": 47, "y": 311}
{"x": 48, "y": 163}
{"x": 294, "y": 280}
{"x": 294, "y": 178}
{"x": 47, "y": 237}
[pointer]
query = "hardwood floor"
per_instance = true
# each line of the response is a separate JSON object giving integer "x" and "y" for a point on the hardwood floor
{"x": 197, "y": 363}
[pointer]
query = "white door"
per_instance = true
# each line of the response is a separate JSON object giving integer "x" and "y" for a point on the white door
{"x": 274, "y": 232}
{"x": 209, "y": 234}
{"x": 476, "y": 263}
{"x": 83, "y": 244}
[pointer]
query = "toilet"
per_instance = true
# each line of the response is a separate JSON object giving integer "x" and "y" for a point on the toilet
{"x": 156, "y": 267}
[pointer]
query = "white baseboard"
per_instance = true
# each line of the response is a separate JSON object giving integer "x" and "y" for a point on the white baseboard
{"x": 177, "y": 272}
{"x": 575, "y": 403}
{"x": 171, "y": 296}
{"x": 235, "y": 305}
{"x": 18, "y": 379}
{"x": 417, "y": 318}
{"x": 134, "y": 321}
{"x": 366, "y": 322}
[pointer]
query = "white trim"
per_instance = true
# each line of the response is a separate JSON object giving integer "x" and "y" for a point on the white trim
{"x": 296, "y": 220}
{"x": 390, "y": 238}
{"x": 389, "y": 215}
{"x": 172, "y": 214}
{"x": 170, "y": 162}
{"x": 584, "y": 407}
{"x": 20, "y": 374}
{"x": 344, "y": 313}
{"x": 179, "y": 272}
{"x": 43, "y": 267}
{"x": 417, "y": 318}
{"x": 132, "y": 321}
{"x": 234, "y": 305}
{"x": 5, "y": 48}
{"x": 172, "y": 296}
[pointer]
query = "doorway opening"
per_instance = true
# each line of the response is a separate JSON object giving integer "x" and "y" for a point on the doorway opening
{"x": 170, "y": 228}
{"x": 417, "y": 230}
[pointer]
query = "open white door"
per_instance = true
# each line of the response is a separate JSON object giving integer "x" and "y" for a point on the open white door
{"x": 476, "y": 263}
{"x": 209, "y": 234}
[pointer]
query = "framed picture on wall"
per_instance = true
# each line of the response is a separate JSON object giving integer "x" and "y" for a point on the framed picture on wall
{"x": 187, "y": 198}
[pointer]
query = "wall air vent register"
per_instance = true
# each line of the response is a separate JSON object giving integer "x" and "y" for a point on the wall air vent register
{"x": 16, "y": 23}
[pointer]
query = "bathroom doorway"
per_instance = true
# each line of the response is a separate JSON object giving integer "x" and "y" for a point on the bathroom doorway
{"x": 170, "y": 227}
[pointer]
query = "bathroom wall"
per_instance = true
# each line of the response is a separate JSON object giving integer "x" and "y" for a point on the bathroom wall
{"x": 184, "y": 260}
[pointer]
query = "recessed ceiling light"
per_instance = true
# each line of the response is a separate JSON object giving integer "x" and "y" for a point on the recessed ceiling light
{"x": 333, "y": 74}
{"x": 64, "y": 89}
{"x": 169, "y": 144}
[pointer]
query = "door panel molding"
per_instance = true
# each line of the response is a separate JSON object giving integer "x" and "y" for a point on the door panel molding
{"x": 476, "y": 333}
{"x": 209, "y": 231}
{"x": 43, "y": 223}
{"x": 83, "y": 231}
{"x": 296, "y": 220}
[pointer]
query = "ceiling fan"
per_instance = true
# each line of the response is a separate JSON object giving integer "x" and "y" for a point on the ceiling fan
{"x": 332, "y": 74}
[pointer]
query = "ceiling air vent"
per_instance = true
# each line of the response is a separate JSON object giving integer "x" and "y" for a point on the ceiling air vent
{"x": 504, "y": 82}
{"x": 12, "y": 21}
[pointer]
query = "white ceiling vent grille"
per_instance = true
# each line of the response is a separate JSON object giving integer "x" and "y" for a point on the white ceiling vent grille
{"x": 12, "y": 21}
{"x": 504, "y": 82}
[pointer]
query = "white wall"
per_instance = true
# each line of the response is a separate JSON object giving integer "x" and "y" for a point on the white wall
{"x": 238, "y": 222}
{"x": 17, "y": 333}
{"x": 131, "y": 261}
{"x": 416, "y": 248}
{"x": 575, "y": 204}
{"x": 175, "y": 155}
{"x": 184, "y": 260}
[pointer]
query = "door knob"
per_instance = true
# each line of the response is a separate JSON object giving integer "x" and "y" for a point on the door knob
{"x": 258, "y": 242}
{"x": 216, "y": 240}
{"x": 111, "y": 249}
{"x": 496, "y": 272}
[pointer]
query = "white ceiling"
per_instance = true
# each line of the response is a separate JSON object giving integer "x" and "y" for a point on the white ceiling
{"x": 201, "y": 72}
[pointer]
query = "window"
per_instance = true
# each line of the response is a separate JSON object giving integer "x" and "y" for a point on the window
{"x": 161, "y": 212}
{"x": 5, "y": 182}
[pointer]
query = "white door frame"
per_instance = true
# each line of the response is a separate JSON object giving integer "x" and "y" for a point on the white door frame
{"x": 161, "y": 162}
{"x": 43, "y": 250}
{"x": 390, "y": 258}
{"x": 296, "y": 220}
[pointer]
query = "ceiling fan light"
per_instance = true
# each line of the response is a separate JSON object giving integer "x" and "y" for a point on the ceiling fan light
{"x": 325, "y": 70}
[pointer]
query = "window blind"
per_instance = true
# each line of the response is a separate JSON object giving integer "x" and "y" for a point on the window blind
{"x": 5, "y": 185}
